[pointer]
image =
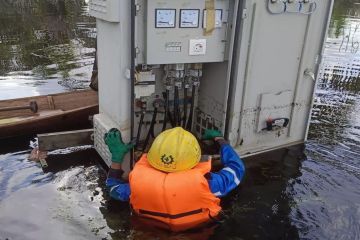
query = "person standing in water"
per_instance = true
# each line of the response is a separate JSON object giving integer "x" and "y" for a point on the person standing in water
{"x": 170, "y": 184}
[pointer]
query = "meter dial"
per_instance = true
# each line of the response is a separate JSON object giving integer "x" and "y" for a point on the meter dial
{"x": 218, "y": 18}
{"x": 165, "y": 18}
{"x": 189, "y": 18}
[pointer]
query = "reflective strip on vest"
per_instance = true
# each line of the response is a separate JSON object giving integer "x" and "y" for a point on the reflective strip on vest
{"x": 166, "y": 215}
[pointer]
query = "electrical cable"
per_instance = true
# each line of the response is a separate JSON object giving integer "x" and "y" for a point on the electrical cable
{"x": 151, "y": 129}
{"x": 138, "y": 135}
{"x": 169, "y": 119}
{"x": 166, "y": 97}
{"x": 176, "y": 105}
{"x": 192, "y": 106}
{"x": 152, "y": 133}
{"x": 166, "y": 109}
{"x": 185, "y": 107}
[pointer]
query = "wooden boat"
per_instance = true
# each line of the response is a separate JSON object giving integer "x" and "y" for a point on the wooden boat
{"x": 40, "y": 114}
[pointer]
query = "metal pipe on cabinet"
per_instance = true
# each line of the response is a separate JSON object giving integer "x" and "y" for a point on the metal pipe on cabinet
{"x": 132, "y": 77}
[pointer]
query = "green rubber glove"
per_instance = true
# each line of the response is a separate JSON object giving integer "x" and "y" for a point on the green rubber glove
{"x": 210, "y": 134}
{"x": 116, "y": 145}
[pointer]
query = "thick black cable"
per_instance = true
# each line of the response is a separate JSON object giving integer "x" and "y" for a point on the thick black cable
{"x": 138, "y": 136}
{"x": 176, "y": 106}
{"x": 151, "y": 129}
{"x": 192, "y": 106}
{"x": 171, "y": 120}
{"x": 166, "y": 109}
{"x": 152, "y": 132}
{"x": 185, "y": 107}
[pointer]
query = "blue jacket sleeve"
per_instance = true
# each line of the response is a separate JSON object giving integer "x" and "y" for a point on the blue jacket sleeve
{"x": 224, "y": 181}
{"x": 118, "y": 189}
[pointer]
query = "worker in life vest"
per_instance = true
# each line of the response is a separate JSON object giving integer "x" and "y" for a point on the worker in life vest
{"x": 171, "y": 184}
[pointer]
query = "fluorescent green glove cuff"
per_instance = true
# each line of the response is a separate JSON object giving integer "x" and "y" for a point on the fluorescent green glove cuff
{"x": 116, "y": 145}
{"x": 211, "y": 134}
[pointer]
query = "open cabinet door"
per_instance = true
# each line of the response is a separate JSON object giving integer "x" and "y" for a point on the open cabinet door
{"x": 277, "y": 59}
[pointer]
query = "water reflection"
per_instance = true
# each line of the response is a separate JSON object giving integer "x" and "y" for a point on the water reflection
{"x": 343, "y": 10}
{"x": 337, "y": 98}
{"x": 63, "y": 203}
{"x": 332, "y": 173}
{"x": 50, "y": 40}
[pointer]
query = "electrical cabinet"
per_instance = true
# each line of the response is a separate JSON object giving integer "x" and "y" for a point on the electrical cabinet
{"x": 245, "y": 67}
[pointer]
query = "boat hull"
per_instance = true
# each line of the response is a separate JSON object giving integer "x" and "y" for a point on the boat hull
{"x": 57, "y": 112}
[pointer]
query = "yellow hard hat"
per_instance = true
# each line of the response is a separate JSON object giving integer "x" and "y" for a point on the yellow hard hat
{"x": 174, "y": 150}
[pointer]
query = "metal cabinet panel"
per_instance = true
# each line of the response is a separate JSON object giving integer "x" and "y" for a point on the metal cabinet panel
{"x": 173, "y": 44}
{"x": 274, "y": 53}
{"x": 108, "y": 10}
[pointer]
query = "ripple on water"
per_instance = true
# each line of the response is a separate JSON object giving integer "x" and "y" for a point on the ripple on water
{"x": 285, "y": 195}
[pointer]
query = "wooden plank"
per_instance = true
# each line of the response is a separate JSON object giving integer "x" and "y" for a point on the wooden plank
{"x": 51, "y": 102}
{"x": 75, "y": 99}
{"x": 59, "y": 140}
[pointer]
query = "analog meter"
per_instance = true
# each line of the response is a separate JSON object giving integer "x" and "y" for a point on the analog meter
{"x": 165, "y": 18}
{"x": 189, "y": 18}
{"x": 218, "y": 18}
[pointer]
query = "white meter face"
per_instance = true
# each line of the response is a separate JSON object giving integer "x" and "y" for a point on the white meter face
{"x": 218, "y": 18}
{"x": 189, "y": 18}
{"x": 165, "y": 18}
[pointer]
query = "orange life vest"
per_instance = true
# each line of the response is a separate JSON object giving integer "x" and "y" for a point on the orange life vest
{"x": 182, "y": 200}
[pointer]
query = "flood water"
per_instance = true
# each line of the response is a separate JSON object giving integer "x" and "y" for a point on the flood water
{"x": 45, "y": 47}
{"x": 304, "y": 192}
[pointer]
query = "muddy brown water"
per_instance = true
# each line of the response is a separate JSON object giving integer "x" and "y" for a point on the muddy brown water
{"x": 304, "y": 192}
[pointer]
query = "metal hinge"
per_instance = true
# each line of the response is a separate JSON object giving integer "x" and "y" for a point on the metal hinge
{"x": 309, "y": 73}
{"x": 137, "y": 50}
{"x": 137, "y": 8}
{"x": 244, "y": 13}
